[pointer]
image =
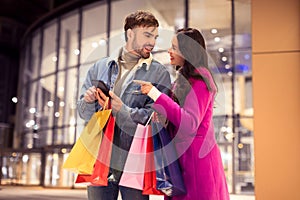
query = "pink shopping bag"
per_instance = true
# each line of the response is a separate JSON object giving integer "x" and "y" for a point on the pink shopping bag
{"x": 133, "y": 172}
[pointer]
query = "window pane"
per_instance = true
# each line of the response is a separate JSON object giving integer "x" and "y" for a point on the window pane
{"x": 31, "y": 168}
{"x": 54, "y": 174}
{"x": 47, "y": 101}
{"x": 66, "y": 95}
{"x": 93, "y": 44}
{"x": 30, "y": 107}
{"x": 49, "y": 50}
{"x": 35, "y": 56}
{"x": 68, "y": 42}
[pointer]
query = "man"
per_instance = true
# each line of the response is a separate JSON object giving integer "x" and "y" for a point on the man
{"x": 129, "y": 105}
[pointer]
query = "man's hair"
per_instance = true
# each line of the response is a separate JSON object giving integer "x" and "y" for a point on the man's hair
{"x": 140, "y": 18}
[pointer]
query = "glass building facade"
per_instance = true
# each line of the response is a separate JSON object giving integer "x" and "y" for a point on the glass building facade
{"x": 58, "y": 52}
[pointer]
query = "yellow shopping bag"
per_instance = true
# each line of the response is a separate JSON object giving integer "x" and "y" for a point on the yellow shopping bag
{"x": 83, "y": 155}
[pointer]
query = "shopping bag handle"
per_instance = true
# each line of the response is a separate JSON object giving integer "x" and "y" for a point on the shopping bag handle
{"x": 149, "y": 119}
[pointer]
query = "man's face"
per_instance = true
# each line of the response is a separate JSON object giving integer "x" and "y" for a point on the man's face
{"x": 143, "y": 40}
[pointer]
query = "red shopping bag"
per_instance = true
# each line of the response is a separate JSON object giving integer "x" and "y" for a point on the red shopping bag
{"x": 102, "y": 164}
{"x": 83, "y": 178}
{"x": 150, "y": 173}
{"x": 133, "y": 172}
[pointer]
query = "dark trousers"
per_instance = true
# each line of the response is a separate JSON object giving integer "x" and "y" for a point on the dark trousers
{"x": 111, "y": 192}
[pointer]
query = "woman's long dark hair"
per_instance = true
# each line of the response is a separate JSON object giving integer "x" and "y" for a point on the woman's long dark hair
{"x": 192, "y": 46}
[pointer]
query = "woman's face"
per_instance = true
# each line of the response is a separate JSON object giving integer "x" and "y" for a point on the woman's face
{"x": 176, "y": 57}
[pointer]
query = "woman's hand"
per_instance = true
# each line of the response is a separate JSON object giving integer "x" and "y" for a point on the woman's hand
{"x": 145, "y": 86}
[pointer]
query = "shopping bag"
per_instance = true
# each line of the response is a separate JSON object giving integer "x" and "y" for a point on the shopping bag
{"x": 99, "y": 175}
{"x": 84, "y": 152}
{"x": 150, "y": 173}
{"x": 168, "y": 173}
{"x": 83, "y": 178}
{"x": 133, "y": 171}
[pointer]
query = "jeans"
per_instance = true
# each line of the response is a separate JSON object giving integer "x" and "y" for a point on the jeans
{"x": 111, "y": 191}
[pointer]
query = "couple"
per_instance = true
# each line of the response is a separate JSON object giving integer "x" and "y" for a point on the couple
{"x": 138, "y": 85}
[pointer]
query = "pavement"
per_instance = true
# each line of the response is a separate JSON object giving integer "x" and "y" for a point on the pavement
{"x": 40, "y": 193}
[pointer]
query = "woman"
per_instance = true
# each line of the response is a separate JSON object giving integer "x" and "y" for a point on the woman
{"x": 189, "y": 111}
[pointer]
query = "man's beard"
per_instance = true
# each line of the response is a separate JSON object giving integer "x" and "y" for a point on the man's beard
{"x": 143, "y": 54}
{"x": 139, "y": 50}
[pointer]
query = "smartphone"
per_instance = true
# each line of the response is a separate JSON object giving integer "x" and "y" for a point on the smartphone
{"x": 101, "y": 85}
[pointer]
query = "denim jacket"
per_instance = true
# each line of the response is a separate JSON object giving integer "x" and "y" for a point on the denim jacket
{"x": 136, "y": 108}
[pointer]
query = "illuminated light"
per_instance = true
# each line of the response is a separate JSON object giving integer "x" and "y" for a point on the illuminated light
{"x": 227, "y": 66}
{"x": 217, "y": 39}
{"x": 229, "y": 73}
{"x": 64, "y": 150}
{"x": 14, "y": 99}
{"x": 50, "y": 103}
{"x": 31, "y": 122}
{"x": 56, "y": 114}
{"x": 229, "y": 136}
{"x": 240, "y": 145}
{"x": 14, "y": 154}
{"x": 55, "y": 156}
{"x": 35, "y": 127}
{"x": 76, "y": 52}
{"x": 94, "y": 44}
{"x": 25, "y": 158}
{"x": 102, "y": 42}
{"x": 54, "y": 58}
{"x": 61, "y": 104}
{"x": 61, "y": 89}
{"x": 29, "y": 146}
{"x": 221, "y": 50}
{"x": 32, "y": 110}
{"x": 224, "y": 58}
{"x": 229, "y": 129}
{"x": 72, "y": 121}
{"x": 223, "y": 129}
{"x": 214, "y": 31}
{"x": 247, "y": 56}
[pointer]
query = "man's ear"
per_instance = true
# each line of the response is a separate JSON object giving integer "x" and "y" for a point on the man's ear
{"x": 129, "y": 33}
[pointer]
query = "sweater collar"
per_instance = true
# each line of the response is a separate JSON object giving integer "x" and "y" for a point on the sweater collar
{"x": 141, "y": 62}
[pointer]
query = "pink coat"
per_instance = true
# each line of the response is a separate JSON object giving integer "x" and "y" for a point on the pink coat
{"x": 200, "y": 157}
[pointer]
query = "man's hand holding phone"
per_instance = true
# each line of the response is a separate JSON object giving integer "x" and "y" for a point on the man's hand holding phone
{"x": 101, "y": 92}
{"x": 102, "y": 86}
{"x": 102, "y": 98}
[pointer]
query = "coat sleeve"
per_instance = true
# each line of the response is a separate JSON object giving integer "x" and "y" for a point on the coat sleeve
{"x": 97, "y": 72}
{"x": 189, "y": 117}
